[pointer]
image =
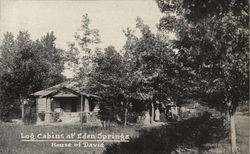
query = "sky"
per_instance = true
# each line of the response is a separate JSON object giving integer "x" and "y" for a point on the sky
{"x": 63, "y": 18}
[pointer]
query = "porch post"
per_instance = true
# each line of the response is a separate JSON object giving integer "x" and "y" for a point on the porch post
{"x": 81, "y": 116}
{"x": 86, "y": 108}
{"x": 49, "y": 104}
{"x": 48, "y": 110}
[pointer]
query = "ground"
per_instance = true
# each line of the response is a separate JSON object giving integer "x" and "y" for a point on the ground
{"x": 10, "y": 138}
{"x": 242, "y": 132}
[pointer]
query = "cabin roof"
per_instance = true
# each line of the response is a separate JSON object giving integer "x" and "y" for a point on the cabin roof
{"x": 73, "y": 86}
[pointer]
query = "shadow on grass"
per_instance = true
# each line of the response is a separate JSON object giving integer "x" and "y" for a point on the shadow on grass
{"x": 190, "y": 134}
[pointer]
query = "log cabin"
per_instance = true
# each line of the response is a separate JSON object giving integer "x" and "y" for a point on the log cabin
{"x": 65, "y": 103}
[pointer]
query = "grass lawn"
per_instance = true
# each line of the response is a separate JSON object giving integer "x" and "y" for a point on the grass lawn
{"x": 242, "y": 132}
{"x": 242, "y": 128}
{"x": 10, "y": 136}
{"x": 200, "y": 135}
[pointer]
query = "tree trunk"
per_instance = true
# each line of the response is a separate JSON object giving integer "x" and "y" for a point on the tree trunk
{"x": 227, "y": 120}
{"x": 81, "y": 109}
{"x": 22, "y": 108}
{"x": 104, "y": 124}
{"x": 125, "y": 117}
{"x": 152, "y": 113}
{"x": 233, "y": 134}
{"x": 108, "y": 123}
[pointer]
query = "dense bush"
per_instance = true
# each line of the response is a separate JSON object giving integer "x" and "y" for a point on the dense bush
{"x": 193, "y": 132}
{"x": 83, "y": 118}
{"x": 9, "y": 109}
{"x": 133, "y": 117}
{"x": 109, "y": 111}
{"x": 55, "y": 116}
{"x": 243, "y": 108}
{"x": 30, "y": 116}
{"x": 41, "y": 116}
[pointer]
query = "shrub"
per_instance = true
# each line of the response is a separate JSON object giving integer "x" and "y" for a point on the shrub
{"x": 108, "y": 111}
{"x": 9, "y": 109}
{"x": 243, "y": 108}
{"x": 133, "y": 117}
{"x": 83, "y": 118}
{"x": 55, "y": 116}
{"x": 41, "y": 116}
{"x": 29, "y": 114}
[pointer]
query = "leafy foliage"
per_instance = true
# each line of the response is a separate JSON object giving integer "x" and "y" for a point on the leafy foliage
{"x": 27, "y": 66}
{"x": 107, "y": 81}
{"x": 30, "y": 116}
{"x": 83, "y": 49}
{"x": 212, "y": 42}
{"x": 157, "y": 75}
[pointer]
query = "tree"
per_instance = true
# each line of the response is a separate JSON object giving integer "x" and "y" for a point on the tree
{"x": 212, "y": 40}
{"x": 153, "y": 66}
{"x": 91, "y": 65}
{"x": 83, "y": 49}
{"x": 28, "y": 66}
{"x": 109, "y": 81}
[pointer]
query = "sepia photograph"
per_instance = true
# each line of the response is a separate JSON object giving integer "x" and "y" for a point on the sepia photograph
{"x": 124, "y": 77}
